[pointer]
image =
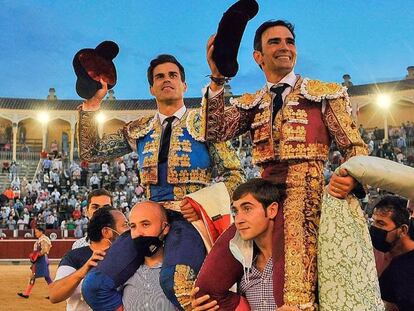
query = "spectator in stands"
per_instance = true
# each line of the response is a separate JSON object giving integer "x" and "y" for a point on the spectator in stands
{"x": 50, "y": 221}
{"x": 40, "y": 266}
{"x": 105, "y": 168}
{"x": 55, "y": 178}
{"x": 390, "y": 234}
{"x": 74, "y": 188}
{"x": 63, "y": 225}
{"x": 371, "y": 146}
{"x": 78, "y": 230}
{"x": 94, "y": 181}
{"x": 37, "y": 186}
{"x": 14, "y": 171}
{"x": 54, "y": 148}
{"x": 84, "y": 177}
{"x": 122, "y": 180}
{"x": 20, "y": 223}
{"x": 77, "y": 213}
{"x": 26, "y": 218}
{"x": 33, "y": 222}
{"x": 47, "y": 164}
{"x": 401, "y": 144}
{"x": 121, "y": 165}
{"x": 70, "y": 224}
{"x": 11, "y": 223}
{"x": 105, "y": 226}
{"x": 106, "y": 182}
{"x": 55, "y": 195}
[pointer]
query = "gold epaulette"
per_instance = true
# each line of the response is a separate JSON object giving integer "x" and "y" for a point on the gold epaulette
{"x": 316, "y": 90}
{"x": 140, "y": 127}
{"x": 195, "y": 125}
{"x": 248, "y": 101}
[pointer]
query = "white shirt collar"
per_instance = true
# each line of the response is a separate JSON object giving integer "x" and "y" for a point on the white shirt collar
{"x": 178, "y": 114}
{"x": 290, "y": 79}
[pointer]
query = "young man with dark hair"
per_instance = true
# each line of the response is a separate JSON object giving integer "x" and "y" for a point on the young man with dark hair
{"x": 104, "y": 227}
{"x": 97, "y": 199}
{"x": 390, "y": 233}
{"x": 174, "y": 160}
{"x": 162, "y": 59}
{"x": 292, "y": 121}
{"x": 255, "y": 206}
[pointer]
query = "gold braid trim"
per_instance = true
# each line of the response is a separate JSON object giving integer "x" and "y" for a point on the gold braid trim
{"x": 343, "y": 129}
{"x": 196, "y": 125}
{"x": 301, "y": 211}
{"x": 316, "y": 90}
{"x": 227, "y": 162}
{"x": 140, "y": 127}
{"x": 94, "y": 149}
{"x": 184, "y": 278}
{"x": 248, "y": 101}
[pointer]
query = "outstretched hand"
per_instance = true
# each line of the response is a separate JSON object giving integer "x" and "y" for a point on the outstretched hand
{"x": 94, "y": 103}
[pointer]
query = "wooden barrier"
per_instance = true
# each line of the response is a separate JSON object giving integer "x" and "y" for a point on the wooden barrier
{"x": 20, "y": 249}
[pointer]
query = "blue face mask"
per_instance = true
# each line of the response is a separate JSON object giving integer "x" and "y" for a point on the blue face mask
{"x": 149, "y": 245}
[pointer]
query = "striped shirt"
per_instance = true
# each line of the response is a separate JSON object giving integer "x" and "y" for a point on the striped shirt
{"x": 82, "y": 242}
{"x": 257, "y": 287}
{"x": 143, "y": 291}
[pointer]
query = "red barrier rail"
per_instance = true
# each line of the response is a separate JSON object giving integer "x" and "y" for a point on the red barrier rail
{"x": 20, "y": 249}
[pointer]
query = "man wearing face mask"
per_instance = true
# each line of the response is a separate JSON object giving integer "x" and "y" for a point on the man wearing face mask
{"x": 105, "y": 226}
{"x": 390, "y": 234}
{"x": 149, "y": 227}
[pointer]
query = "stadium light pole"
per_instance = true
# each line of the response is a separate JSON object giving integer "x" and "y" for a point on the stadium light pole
{"x": 43, "y": 118}
{"x": 384, "y": 102}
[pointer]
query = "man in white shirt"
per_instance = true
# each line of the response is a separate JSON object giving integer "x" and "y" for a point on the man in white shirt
{"x": 105, "y": 226}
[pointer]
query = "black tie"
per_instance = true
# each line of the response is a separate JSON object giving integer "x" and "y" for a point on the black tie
{"x": 277, "y": 100}
{"x": 165, "y": 141}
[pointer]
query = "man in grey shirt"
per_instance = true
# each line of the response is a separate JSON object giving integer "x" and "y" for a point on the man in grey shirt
{"x": 148, "y": 221}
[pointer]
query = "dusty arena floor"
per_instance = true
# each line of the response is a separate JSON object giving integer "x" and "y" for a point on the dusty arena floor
{"x": 14, "y": 279}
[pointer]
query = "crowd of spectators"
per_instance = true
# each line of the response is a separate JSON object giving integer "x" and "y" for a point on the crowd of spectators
{"x": 399, "y": 146}
{"x": 57, "y": 197}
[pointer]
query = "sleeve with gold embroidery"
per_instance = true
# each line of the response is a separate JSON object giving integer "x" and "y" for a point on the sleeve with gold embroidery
{"x": 343, "y": 129}
{"x": 228, "y": 164}
{"x": 94, "y": 149}
{"x": 223, "y": 123}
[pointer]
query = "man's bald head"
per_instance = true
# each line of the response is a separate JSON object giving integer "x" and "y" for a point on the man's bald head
{"x": 148, "y": 219}
{"x": 152, "y": 207}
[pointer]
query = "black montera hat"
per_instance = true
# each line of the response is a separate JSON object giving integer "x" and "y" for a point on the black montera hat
{"x": 92, "y": 64}
{"x": 229, "y": 35}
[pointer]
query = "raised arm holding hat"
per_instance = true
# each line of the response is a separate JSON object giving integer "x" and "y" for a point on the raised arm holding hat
{"x": 292, "y": 121}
